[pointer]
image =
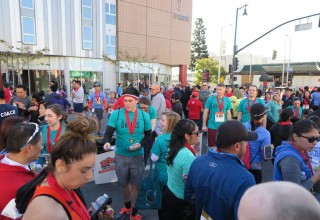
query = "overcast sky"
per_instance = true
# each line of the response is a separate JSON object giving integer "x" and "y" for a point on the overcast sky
{"x": 263, "y": 15}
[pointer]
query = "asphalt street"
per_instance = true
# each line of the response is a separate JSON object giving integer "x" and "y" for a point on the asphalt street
{"x": 91, "y": 191}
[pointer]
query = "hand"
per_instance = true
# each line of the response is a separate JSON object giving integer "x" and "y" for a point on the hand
{"x": 106, "y": 146}
{"x": 33, "y": 108}
{"x": 204, "y": 128}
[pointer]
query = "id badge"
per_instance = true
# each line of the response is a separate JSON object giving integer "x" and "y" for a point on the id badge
{"x": 219, "y": 117}
{"x": 305, "y": 107}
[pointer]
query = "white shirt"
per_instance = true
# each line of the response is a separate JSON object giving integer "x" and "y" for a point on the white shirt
{"x": 10, "y": 162}
{"x": 79, "y": 95}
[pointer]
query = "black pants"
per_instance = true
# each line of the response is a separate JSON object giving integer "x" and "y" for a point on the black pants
{"x": 172, "y": 206}
{"x": 257, "y": 175}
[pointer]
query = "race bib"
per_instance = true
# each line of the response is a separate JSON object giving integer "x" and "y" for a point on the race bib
{"x": 219, "y": 117}
{"x": 305, "y": 106}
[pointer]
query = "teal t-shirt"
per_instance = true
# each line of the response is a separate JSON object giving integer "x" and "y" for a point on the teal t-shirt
{"x": 180, "y": 167}
{"x": 213, "y": 107}
{"x": 160, "y": 148}
{"x": 53, "y": 134}
{"x": 297, "y": 111}
{"x": 118, "y": 121}
{"x": 274, "y": 111}
{"x": 152, "y": 112}
{"x": 243, "y": 107}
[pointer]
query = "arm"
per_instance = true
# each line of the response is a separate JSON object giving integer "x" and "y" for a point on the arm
{"x": 205, "y": 118}
{"x": 239, "y": 116}
{"x": 229, "y": 115}
{"x": 153, "y": 124}
{"x": 291, "y": 172}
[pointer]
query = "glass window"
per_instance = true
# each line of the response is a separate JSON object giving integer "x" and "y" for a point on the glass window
{"x": 87, "y": 38}
{"x": 28, "y": 30}
{"x": 111, "y": 45}
{"x": 111, "y": 19}
{"x": 110, "y": 13}
{"x": 112, "y": 9}
{"x": 86, "y": 9}
{"x": 26, "y": 4}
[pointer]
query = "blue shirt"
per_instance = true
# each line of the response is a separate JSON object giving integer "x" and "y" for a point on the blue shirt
{"x": 7, "y": 110}
{"x": 218, "y": 181}
{"x": 97, "y": 101}
{"x": 264, "y": 139}
{"x": 316, "y": 98}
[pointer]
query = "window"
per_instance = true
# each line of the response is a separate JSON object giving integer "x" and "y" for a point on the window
{"x": 111, "y": 43}
{"x": 28, "y": 30}
{"x": 26, "y": 4}
{"x": 87, "y": 38}
{"x": 111, "y": 12}
{"x": 86, "y": 9}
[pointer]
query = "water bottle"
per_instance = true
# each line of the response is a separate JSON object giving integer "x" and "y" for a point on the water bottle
{"x": 91, "y": 112}
{"x": 99, "y": 204}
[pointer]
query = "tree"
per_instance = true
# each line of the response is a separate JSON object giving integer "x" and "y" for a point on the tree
{"x": 211, "y": 65}
{"x": 198, "y": 45}
{"x": 130, "y": 64}
{"x": 17, "y": 57}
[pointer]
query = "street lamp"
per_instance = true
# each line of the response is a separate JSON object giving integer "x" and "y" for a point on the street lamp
{"x": 288, "y": 66}
{"x": 235, "y": 48}
{"x": 219, "y": 69}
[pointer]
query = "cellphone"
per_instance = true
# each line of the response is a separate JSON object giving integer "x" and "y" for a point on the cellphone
{"x": 267, "y": 152}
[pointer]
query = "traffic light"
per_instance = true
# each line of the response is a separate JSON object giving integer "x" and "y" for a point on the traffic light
{"x": 274, "y": 55}
{"x": 230, "y": 68}
{"x": 236, "y": 63}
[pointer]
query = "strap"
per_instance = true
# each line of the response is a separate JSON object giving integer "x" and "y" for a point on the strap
{"x": 255, "y": 155}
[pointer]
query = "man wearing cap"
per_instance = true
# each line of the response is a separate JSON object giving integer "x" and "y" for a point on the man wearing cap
{"x": 98, "y": 104}
{"x": 159, "y": 103}
{"x": 218, "y": 179}
{"x": 194, "y": 107}
{"x": 77, "y": 96}
{"x": 218, "y": 110}
{"x": 287, "y": 98}
{"x": 133, "y": 128}
{"x": 244, "y": 107}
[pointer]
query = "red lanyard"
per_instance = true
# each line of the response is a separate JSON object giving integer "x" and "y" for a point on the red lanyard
{"x": 220, "y": 106}
{"x": 190, "y": 148}
{"x": 305, "y": 101}
{"x": 49, "y": 138}
{"x": 249, "y": 107}
{"x": 97, "y": 96}
{"x": 296, "y": 112}
{"x": 70, "y": 197}
{"x": 76, "y": 90}
{"x": 285, "y": 123}
{"x": 132, "y": 125}
{"x": 304, "y": 156}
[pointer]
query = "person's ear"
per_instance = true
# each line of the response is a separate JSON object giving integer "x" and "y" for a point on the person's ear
{"x": 60, "y": 166}
{"x": 187, "y": 136}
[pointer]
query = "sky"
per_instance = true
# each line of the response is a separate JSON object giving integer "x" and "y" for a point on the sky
{"x": 263, "y": 15}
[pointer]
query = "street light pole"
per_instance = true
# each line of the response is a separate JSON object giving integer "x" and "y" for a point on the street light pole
{"x": 284, "y": 61}
{"x": 219, "y": 69}
{"x": 288, "y": 66}
{"x": 235, "y": 48}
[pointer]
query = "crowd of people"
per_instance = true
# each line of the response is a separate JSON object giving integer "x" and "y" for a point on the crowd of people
{"x": 44, "y": 156}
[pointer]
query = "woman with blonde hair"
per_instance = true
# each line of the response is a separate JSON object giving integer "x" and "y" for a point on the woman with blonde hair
{"x": 274, "y": 106}
{"x": 72, "y": 160}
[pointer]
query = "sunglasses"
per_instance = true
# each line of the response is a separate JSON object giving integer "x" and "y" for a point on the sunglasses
{"x": 32, "y": 136}
{"x": 195, "y": 132}
{"x": 204, "y": 85}
{"x": 310, "y": 139}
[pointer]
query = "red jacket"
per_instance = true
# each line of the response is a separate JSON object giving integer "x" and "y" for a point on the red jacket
{"x": 11, "y": 179}
{"x": 195, "y": 106}
{"x": 168, "y": 95}
{"x": 7, "y": 95}
{"x": 119, "y": 103}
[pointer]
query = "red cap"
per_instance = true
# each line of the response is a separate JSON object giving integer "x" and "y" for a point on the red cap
{"x": 195, "y": 94}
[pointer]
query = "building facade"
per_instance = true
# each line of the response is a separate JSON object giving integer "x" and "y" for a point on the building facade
{"x": 108, "y": 41}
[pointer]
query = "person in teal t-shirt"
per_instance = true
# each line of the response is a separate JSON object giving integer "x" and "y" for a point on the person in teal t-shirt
{"x": 180, "y": 157}
{"x": 217, "y": 110}
{"x": 145, "y": 105}
{"x": 51, "y": 132}
{"x": 133, "y": 128}
{"x": 296, "y": 107}
{"x": 160, "y": 148}
{"x": 245, "y": 105}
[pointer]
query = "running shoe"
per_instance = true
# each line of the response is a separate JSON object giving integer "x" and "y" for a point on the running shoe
{"x": 135, "y": 217}
{"x": 123, "y": 213}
